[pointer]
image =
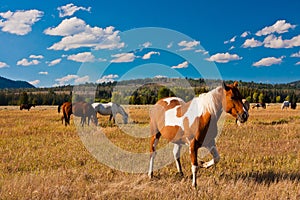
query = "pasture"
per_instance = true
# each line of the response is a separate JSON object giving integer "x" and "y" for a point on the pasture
{"x": 43, "y": 159}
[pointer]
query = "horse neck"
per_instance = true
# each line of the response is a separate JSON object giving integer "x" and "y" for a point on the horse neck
{"x": 213, "y": 102}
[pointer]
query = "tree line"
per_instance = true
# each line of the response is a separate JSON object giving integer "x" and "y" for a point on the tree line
{"x": 146, "y": 91}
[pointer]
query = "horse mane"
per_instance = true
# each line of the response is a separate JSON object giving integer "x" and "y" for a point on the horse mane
{"x": 211, "y": 101}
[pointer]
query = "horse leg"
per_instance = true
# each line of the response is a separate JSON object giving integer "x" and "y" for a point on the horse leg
{"x": 214, "y": 160}
{"x": 153, "y": 144}
{"x": 176, "y": 153}
{"x": 193, "y": 154}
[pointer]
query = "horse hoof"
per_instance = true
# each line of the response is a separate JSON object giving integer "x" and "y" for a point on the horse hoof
{"x": 179, "y": 174}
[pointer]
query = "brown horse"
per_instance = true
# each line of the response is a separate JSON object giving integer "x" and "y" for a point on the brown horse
{"x": 194, "y": 123}
{"x": 26, "y": 106}
{"x": 80, "y": 109}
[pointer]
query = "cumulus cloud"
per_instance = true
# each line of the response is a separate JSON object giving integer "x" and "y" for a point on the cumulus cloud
{"x": 231, "y": 40}
{"x": 298, "y": 63}
{"x": 70, "y": 9}
{"x": 271, "y": 41}
{"x": 160, "y": 76}
{"x": 82, "y": 57}
{"x": 25, "y": 62}
{"x": 201, "y": 51}
{"x": 76, "y": 34}
{"x": 54, "y": 62}
{"x": 107, "y": 78}
{"x": 68, "y": 79}
{"x": 296, "y": 55}
{"x": 170, "y": 45}
{"x": 35, "y": 82}
{"x": 185, "y": 64}
{"x": 19, "y": 22}
{"x": 43, "y": 73}
{"x": 245, "y": 34}
{"x": 36, "y": 56}
{"x": 3, "y": 64}
{"x": 188, "y": 45}
{"x": 123, "y": 57}
{"x": 252, "y": 43}
{"x": 281, "y": 26}
{"x": 149, "y": 54}
{"x": 223, "y": 57}
{"x": 147, "y": 44}
{"x": 83, "y": 79}
{"x": 268, "y": 61}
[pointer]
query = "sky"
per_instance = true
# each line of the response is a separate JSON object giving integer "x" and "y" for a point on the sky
{"x": 53, "y": 43}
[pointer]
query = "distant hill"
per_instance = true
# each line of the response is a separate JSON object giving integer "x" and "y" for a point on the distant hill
{"x": 7, "y": 83}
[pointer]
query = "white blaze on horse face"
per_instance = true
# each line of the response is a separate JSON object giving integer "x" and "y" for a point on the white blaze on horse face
{"x": 195, "y": 110}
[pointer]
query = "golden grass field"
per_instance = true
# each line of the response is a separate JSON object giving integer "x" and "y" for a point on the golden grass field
{"x": 43, "y": 159}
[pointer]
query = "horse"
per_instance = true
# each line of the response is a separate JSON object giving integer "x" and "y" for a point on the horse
{"x": 194, "y": 123}
{"x": 80, "y": 109}
{"x": 246, "y": 105}
{"x": 262, "y": 105}
{"x": 26, "y": 106}
{"x": 285, "y": 104}
{"x": 293, "y": 105}
{"x": 111, "y": 109}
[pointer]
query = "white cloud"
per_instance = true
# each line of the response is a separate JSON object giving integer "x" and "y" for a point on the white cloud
{"x": 76, "y": 34}
{"x": 170, "y": 45}
{"x": 160, "y": 76}
{"x": 281, "y": 26}
{"x": 123, "y": 57}
{"x": 70, "y": 9}
{"x": 54, "y": 62}
{"x": 223, "y": 57}
{"x": 188, "y": 45}
{"x": 231, "y": 40}
{"x": 201, "y": 51}
{"x": 298, "y": 63}
{"x": 147, "y": 44}
{"x": 245, "y": 34}
{"x": 43, "y": 73}
{"x": 252, "y": 43}
{"x": 149, "y": 54}
{"x": 19, "y": 22}
{"x": 82, "y": 57}
{"x": 107, "y": 78}
{"x": 232, "y": 47}
{"x": 35, "y": 82}
{"x": 36, "y": 56}
{"x": 83, "y": 79}
{"x": 185, "y": 64}
{"x": 3, "y": 64}
{"x": 271, "y": 41}
{"x": 268, "y": 61}
{"x": 296, "y": 55}
{"x": 67, "y": 79}
{"x": 25, "y": 62}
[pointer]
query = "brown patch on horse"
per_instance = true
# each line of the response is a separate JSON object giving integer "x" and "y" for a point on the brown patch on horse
{"x": 166, "y": 105}
{"x": 183, "y": 109}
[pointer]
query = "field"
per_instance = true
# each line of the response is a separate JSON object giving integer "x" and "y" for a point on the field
{"x": 43, "y": 159}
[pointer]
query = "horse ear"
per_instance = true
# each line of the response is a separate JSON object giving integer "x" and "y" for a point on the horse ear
{"x": 225, "y": 87}
{"x": 235, "y": 84}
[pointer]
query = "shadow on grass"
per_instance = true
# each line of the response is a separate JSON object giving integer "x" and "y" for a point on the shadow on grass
{"x": 266, "y": 177}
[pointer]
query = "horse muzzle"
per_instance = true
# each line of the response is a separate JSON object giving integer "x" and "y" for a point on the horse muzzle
{"x": 243, "y": 117}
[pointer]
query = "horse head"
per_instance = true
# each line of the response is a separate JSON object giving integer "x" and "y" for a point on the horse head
{"x": 232, "y": 103}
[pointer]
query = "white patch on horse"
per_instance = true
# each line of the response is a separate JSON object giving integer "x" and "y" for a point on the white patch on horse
{"x": 168, "y": 100}
{"x": 207, "y": 102}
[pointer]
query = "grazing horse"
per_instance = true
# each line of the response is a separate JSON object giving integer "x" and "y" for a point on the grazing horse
{"x": 111, "y": 109}
{"x": 80, "y": 109}
{"x": 246, "y": 105}
{"x": 194, "y": 123}
{"x": 257, "y": 105}
{"x": 285, "y": 104}
{"x": 293, "y": 105}
{"x": 26, "y": 106}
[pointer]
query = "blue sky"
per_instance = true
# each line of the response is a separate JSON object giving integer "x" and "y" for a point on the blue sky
{"x": 69, "y": 42}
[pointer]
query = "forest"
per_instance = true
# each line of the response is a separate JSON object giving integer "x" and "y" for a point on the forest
{"x": 146, "y": 91}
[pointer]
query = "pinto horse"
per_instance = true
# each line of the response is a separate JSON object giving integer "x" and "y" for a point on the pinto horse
{"x": 194, "y": 123}
{"x": 26, "y": 106}
{"x": 80, "y": 109}
{"x": 111, "y": 109}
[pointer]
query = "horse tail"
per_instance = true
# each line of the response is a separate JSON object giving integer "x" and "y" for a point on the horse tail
{"x": 58, "y": 109}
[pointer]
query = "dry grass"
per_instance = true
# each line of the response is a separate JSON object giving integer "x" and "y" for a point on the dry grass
{"x": 43, "y": 159}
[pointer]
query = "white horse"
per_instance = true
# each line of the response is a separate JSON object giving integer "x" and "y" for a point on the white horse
{"x": 111, "y": 109}
{"x": 285, "y": 104}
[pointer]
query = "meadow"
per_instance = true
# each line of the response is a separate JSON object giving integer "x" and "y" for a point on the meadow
{"x": 43, "y": 159}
